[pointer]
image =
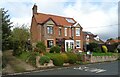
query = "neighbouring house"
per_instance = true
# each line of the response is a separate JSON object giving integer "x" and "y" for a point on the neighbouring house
{"x": 112, "y": 41}
{"x": 89, "y": 37}
{"x": 56, "y": 30}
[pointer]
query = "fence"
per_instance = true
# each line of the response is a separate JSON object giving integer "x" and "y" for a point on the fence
{"x": 94, "y": 59}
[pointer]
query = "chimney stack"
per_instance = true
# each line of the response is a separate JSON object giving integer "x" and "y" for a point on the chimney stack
{"x": 34, "y": 9}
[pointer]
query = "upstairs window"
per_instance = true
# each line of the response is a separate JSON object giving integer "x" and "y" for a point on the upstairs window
{"x": 49, "y": 29}
{"x": 60, "y": 31}
{"x": 65, "y": 30}
{"x": 77, "y": 31}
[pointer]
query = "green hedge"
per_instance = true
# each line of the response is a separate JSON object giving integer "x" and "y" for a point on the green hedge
{"x": 58, "y": 60}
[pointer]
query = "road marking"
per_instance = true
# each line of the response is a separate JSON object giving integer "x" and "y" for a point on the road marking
{"x": 94, "y": 70}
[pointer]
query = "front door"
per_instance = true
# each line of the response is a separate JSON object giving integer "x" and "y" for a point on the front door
{"x": 69, "y": 44}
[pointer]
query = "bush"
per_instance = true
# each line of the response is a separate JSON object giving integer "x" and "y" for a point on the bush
{"x": 93, "y": 45}
{"x": 104, "y": 49}
{"x": 97, "y": 50}
{"x": 40, "y": 47}
{"x": 72, "y": 58}
{"x": 79, "y": 57}
{"x": 44, "y": 59}
{"x": 32, "y": 58}
{"x": 65, "y": 57}
{"x": 58, "y": 60}
{"x": 4, "y": 61}
{"x": 24, "y": 55}
{"x": 55, "y": 49}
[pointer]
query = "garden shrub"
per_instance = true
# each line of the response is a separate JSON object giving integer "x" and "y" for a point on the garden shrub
{"x": 79, "y": 57}
{"x": 92, "y": 46}
{"x": 24, "y": 55}
{"x": 97, "y": 50}
{"x": 58, "y": 60}
{"x": 55, "y": 49}
{"x": 4, "y": 61}
{"x": 40, "y": 47}
{"x": 32, "y": 58}
{"x": 104, "y": 49}
{"x": 72, "y": 58}
{"x": 44, "y": 59}
{"x": 65, "y": 57}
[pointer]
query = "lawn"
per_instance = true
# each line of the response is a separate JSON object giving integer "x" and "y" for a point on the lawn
{"x": 104, "y": 54}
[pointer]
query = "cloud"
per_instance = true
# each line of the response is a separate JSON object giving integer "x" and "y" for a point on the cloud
{"x": 93, "y": 15}
{"x": 89, "y": 13}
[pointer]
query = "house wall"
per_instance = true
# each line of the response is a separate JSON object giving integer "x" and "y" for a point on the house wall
{"x": 33, "y": 30}
{"x": 39, "y": 33}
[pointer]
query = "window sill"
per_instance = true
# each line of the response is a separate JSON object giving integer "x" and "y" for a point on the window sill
{"x": 77, "y": 35}
{"x": 78, "y": 47}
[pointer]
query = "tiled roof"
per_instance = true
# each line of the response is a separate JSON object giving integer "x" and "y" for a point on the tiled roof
{"x": 59, "y": 20}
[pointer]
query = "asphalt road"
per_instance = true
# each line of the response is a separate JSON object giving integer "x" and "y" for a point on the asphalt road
{"x": 106, "y": 68}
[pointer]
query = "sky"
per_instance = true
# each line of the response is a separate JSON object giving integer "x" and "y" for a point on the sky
{"x": 97, "y": 16}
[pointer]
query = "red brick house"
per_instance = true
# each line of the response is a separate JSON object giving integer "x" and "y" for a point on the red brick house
{"x": 89, "y": 37}
{"x": 56, "y": 30}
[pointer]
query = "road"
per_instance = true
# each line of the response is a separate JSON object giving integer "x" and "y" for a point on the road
{"x": 106, "y": 68}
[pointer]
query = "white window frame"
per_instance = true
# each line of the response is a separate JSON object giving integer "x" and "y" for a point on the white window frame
{"x": 79, "y": 43}
{"x": 77, "y": 29}
{"x": 65, "y": 30}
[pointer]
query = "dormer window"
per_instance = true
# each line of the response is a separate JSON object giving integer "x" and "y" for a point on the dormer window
{"x": 70, "y": 20}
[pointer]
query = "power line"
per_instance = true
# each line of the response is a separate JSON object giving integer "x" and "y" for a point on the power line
{"x": 102, "y": 26}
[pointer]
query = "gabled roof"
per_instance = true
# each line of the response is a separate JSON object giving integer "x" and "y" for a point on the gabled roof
{"x": 59, "y": 20}
{"x": 113, "y": 41}
{"x": 89, "y": 33}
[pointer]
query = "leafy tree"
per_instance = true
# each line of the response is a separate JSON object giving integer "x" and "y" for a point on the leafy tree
{"x": 6, "y": 31}
{"x": 20, "y": 36}
{"x": 110, "y": 39}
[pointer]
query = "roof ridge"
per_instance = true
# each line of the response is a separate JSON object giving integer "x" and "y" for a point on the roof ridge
{"x": 54, "y": 15}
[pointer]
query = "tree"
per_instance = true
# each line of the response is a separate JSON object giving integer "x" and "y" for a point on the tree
{"x": 20, "y": 36}
{"x": 6, "y": 31}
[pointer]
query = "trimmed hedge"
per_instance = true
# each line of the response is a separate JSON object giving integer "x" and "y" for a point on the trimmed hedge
{"x": 72, "y": 58}
{"x": 44, "y": 59}
{"x": 58, "y": 60}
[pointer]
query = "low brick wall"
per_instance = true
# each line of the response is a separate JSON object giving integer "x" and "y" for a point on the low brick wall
{"x": 102, "y": 58}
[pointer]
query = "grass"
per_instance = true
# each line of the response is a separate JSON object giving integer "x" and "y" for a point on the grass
{"x": 104, "y": 54}
{"x": 24, "y": 56}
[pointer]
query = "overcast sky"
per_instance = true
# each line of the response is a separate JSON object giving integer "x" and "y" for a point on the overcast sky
{"x": 97, "y": 16}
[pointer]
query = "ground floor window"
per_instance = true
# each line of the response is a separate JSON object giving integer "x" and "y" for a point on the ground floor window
{"x": 77, "y": 43}
{"x": 49, "y": 43}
